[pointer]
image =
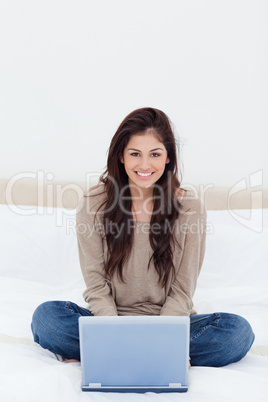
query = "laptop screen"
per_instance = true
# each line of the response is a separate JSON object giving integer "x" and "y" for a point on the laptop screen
{"x": 134, "y": 351}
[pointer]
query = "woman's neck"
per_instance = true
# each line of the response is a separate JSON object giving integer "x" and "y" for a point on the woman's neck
{"x": 142, "y": 203}
{"x": 141, "y": 195}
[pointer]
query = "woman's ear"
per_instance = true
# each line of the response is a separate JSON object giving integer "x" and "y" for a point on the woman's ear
{"x": 167, "y": 160}
{"x": 121, "y": 159}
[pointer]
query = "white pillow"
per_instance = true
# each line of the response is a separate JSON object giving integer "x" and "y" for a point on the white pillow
{"x": 39, "y": 247}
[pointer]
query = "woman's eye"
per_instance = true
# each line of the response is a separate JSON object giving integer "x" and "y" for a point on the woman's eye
{"x": 137, "y": 154}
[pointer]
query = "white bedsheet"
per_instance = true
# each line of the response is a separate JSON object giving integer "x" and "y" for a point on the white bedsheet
{"x": 39, "y": 262}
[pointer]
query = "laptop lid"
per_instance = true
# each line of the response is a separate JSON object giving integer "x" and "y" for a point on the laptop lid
{"x": 134, "y": 353}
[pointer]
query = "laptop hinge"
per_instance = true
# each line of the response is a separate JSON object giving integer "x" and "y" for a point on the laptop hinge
{"x": 94, "y": 384}
{"x": 174, "y": 385}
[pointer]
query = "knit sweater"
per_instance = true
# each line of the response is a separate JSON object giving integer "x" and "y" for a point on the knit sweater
{"x": 141, "y": 293}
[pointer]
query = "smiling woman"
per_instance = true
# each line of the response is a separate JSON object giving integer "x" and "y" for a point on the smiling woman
{"x": 129, "y": 271}
{"x": 142, "y": 162}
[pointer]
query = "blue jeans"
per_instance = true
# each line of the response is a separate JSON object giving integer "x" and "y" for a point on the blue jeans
{"x": 215, "y": 339}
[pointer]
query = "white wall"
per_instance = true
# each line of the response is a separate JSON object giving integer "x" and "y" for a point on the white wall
{"x": 70, "y": 71}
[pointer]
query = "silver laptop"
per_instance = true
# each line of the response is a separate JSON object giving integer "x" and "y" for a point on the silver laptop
{"x": 134, "y": 353}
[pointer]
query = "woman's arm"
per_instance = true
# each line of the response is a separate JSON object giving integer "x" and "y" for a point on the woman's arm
{"x": 179, "y": 299}
{"x": 91, "y": 255}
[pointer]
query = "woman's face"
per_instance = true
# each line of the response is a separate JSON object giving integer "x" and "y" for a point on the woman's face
{"x": 145, "y": 159}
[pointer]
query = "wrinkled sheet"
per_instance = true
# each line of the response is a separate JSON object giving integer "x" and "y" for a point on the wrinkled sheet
{"x": 39, "y": 262}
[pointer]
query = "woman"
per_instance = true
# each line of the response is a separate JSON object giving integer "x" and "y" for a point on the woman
{"x": 141, "y": 241}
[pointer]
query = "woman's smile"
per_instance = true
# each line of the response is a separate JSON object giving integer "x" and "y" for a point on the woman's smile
{"x": 143, "y": 175}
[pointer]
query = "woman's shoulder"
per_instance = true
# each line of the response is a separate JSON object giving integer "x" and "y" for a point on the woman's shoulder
{"x": 92, "y": 199}
{"x": 97, "y": 190}
{"x": 190, "y": 202}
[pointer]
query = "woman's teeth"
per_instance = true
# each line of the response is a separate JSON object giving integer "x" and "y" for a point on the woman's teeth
{"x": 144, "y": 174}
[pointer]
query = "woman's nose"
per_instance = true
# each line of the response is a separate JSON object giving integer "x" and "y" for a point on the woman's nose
{"x": 144, "y": 164}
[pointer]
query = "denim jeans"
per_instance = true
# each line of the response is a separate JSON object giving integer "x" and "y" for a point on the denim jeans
{"x": 216, "y": 339}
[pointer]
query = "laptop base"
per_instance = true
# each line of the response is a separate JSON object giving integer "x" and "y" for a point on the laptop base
{"x": 138, "y": 390}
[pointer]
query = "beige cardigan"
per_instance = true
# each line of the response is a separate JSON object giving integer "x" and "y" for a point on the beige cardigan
{"x": 141, "y": 293}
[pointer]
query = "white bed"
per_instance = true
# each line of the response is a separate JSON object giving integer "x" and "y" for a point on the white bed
{"x": 39, "y": 262}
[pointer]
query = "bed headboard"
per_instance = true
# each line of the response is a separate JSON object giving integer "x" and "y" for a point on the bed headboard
{"x": 66, "y": 194}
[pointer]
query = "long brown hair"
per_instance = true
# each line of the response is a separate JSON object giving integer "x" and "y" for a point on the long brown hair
{"x": 115, "y": 180}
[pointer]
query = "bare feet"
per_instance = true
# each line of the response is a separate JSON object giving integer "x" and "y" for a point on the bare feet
{"x": 71, "y": 361}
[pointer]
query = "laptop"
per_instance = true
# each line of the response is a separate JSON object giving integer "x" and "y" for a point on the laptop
{"x": 134, "y": 353}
